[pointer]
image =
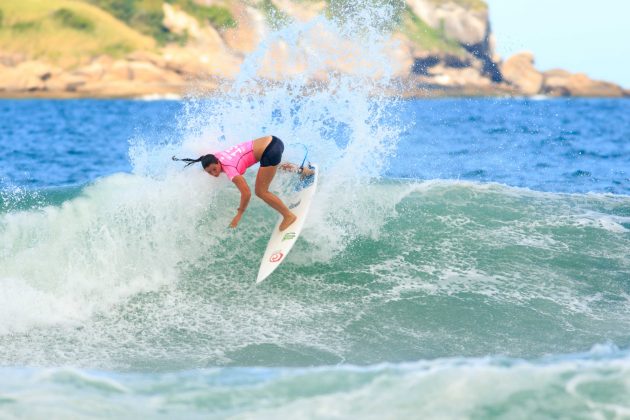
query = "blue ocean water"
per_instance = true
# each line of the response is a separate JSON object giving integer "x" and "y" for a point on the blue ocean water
{"x": 491, "y": 247}
{"x": 566, "y": 145}
{"x": 463, "y": 258}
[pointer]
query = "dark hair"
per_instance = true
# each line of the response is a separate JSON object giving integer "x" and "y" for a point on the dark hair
{"x": 206, "y": 160}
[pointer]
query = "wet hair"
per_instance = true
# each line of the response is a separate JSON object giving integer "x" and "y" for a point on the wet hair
{"x": 206, "y": 160}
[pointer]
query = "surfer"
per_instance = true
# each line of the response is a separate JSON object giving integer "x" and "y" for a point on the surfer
{"x": 235, "y": 160}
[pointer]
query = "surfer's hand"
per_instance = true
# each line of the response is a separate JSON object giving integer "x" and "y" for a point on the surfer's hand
{"x": 236, "y": 219}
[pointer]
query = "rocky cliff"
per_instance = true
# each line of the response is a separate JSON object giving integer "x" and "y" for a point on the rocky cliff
{"x": 108, "y": 48}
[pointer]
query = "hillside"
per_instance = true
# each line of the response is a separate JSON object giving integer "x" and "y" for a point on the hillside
{"x": 135, "y": 47}
{"x": 65, "y": 32}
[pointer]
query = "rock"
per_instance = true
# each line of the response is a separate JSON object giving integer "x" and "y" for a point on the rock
{"x": 468, "y": 25}
{"x": 11, "y": 59}
{"x": 148, "y": 56}
{"x": 560, "y": 82}
{"x": 119, "y": 70}
{"x": 146, "y": 72}
{"x": 466, "y": 22}
{"x": 458, "y": 77}
{"x": 66, "y": 82}
{"x": 519, "y": 71}
{"x": 92, "y": 72}
{"x": 179, "y": 22}
{"x": 582, "y": 85}
{"x": 555, "y": 82}
{"x": 12, "y": 80}
{"x": 27, "y": 76}
{"x": 192, "y": 62}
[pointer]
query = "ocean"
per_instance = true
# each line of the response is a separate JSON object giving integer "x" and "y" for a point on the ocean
{"x": 463, "y": 258}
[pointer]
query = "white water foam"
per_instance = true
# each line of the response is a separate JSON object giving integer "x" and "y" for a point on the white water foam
{"x": 132, "y": 234}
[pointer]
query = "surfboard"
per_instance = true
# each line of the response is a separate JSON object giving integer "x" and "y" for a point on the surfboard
{"x": 281, "y": 243}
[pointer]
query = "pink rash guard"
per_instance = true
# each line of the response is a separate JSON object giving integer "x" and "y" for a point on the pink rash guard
{"x": 236, "y": 159}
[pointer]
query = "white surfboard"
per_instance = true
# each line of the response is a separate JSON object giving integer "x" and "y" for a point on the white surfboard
{"x": 281, "y": 243}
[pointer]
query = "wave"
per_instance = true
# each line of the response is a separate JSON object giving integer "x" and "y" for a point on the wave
{"x": 593, "y": 384}
{"x": 138, "y": 271}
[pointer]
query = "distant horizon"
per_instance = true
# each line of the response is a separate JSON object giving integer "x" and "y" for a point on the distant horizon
{"x": 579, "y": 37}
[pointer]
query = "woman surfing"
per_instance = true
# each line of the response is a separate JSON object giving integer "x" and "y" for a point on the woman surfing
{"x": 235, "y": 160}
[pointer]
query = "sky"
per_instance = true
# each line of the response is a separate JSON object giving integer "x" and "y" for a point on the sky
{"x": 581, "y": 36}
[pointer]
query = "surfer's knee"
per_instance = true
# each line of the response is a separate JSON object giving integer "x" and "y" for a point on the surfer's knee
{"x": 261, "y": 192}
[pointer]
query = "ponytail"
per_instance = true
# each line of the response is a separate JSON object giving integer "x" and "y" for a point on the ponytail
{"x": 206, "y": 160}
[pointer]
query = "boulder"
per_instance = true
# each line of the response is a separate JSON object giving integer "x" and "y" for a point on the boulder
{"x": 147, "y": 56}
{"x": 560, "y": 82}
{"x": 146, "y": 72}
{"x": 27, "y": 76}
{"x": 555, "y": 82}
{"x": 467, "y": 24}
{"x": 458, "y": 77}
{"x": 581, "y": 85}
{"x": 119, "y": 70}
{"x": 520, "y": 72}
{"x": 179, "y": 22}
{"x": 11, "y": 59}
{"x": 65, "y": 82}
{"x": 193, "y": 62}
{"x": 92, "y": 72}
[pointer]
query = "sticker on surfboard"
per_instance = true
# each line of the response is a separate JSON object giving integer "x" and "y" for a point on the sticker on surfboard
{"x": 281, "y": 243}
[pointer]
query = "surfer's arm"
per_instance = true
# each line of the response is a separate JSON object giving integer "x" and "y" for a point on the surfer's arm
{"x": 246, "y": 194}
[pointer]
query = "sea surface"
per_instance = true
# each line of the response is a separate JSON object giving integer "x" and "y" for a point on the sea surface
{"x": 463, "y": 258}
{"x": 483, "y": 273}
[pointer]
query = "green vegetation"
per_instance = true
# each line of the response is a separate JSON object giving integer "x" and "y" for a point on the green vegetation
{"x": 468, "y": 4}
{"x": 65, "y": 32}
{"x": 344, "y": 9}
{"x": 218, "y": 16}
{"x": 146, "y": 16}
{"x": 431, "y": 39}
{"x": 70, "y": 19}
{"x": 1, "y": 17}
{"x": 118, "y": 49}
{"x": 25, "y": 25}
{"x": 275, "y": 17}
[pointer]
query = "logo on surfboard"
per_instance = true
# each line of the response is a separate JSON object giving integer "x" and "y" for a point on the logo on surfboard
{"x": 294, "y": 205}
{"x": 276, "y": 256}
{"x": 288, "y": 236}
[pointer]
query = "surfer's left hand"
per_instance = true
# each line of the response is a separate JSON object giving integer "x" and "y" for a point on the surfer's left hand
{"x": 236, "y": 219}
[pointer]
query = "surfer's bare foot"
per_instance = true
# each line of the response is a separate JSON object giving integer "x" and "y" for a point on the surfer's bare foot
{"x": 287, "y": 221}
{"x": 307, "y": 172}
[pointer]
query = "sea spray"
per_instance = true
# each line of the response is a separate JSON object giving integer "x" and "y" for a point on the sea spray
{"x": 326, "y": 88}
{"x": 135, "y": 244}
{"x": 139, "y": 272}
{"x": 517, "y": 271}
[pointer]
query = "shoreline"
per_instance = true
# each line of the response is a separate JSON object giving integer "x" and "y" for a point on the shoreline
{"x": 178, "y": 96}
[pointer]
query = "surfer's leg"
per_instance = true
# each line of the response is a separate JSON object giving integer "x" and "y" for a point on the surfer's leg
{"x": 263, "y": 180}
